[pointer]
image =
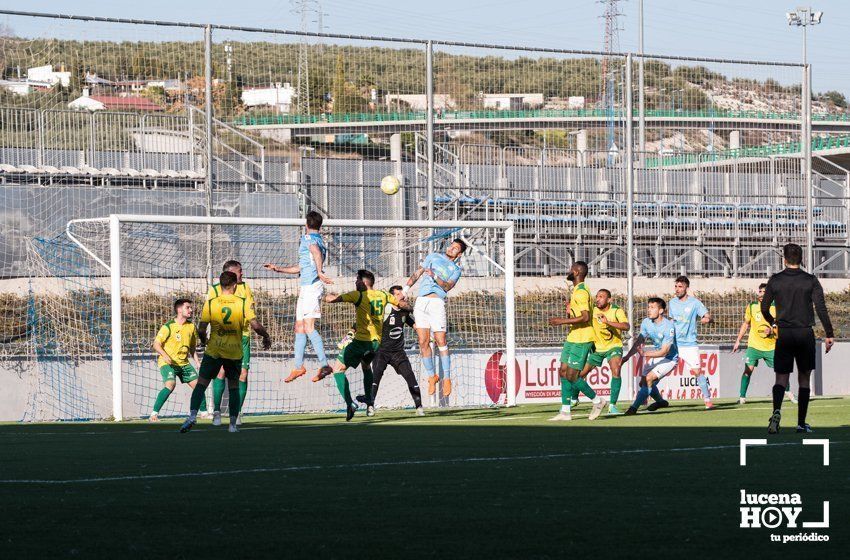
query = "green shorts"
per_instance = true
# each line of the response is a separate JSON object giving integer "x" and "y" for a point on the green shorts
{"x": 246, "y": 352}
{"x": 596, "y": 358}
{"x": 355, "y": 350}
{"x": 575, "y": 354}
{"x": 753, "y": 356}
{"x": 186, "y": 373}
{"x": 210, "y": 367}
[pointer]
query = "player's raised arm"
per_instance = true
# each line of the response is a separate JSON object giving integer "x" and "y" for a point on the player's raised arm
{"x": 414, "y": 278}
{"x": 292, "y": 269}
{"x": 400, "y": 304}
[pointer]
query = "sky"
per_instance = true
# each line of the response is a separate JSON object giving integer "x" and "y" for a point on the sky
{"x": 750, "y": 29}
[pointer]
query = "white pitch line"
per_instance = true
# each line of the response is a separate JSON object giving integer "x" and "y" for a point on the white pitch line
{"x": 456, "y": 460}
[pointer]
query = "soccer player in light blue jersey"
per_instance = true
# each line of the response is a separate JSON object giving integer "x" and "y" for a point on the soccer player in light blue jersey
{"x": 440, "y": 272}
{"x": 311, "y": 258}
{"x": 659, "y": 332}
{"x": 686, "y": 312}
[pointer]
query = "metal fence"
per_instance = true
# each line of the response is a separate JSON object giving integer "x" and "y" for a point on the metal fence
{"x": 639, "y": 164}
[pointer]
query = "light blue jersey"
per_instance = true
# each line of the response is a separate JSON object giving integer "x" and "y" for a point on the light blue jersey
{"x": 309, "y": 274}
{"x": 444, "y": 268}
{"x": 685, "y": 315}
{"x": 659, "y": 334}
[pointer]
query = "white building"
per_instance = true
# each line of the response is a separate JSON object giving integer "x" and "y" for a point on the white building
{"x": 511, "y": 101}
{"x": 19, "y": 87}
{"x": 279, "y": 96}
{"x": 575, "y": 102}
{"x": 417, "y": 101}
{"x": 46, "y": 74}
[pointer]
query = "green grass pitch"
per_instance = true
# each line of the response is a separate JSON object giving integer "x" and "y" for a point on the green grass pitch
{"x": 487, "y": 483}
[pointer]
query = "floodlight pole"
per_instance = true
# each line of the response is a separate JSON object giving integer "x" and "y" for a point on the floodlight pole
{"x": 804, "y": 17}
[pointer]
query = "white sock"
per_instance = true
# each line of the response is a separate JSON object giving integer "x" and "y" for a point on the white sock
{"x": 565, "y": 408}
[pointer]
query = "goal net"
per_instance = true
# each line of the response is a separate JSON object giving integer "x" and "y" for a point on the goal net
{"x": 102, "y": 290}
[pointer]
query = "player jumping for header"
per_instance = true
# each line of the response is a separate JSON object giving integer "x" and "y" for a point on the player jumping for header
{"x": 440, "y": 274}
{"x": 311, "y": 259}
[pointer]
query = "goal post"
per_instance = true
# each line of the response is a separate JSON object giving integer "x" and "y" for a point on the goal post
{"x": 157, "y": 257}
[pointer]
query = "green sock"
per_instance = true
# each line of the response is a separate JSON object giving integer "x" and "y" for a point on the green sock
{"x": 218, "y": 393}
{"x": 342, "y": 385}
{"x": 566, "y": 391}
{"x": 745, "y": 383}
{"x": 575, "y": 392}
{"x": 161, "y": 398}
{"x": 585, "y": 388}
{"x": 234, "y": 404}
{"x": 616, "y": 383}
{"x": 197, "y": 397}
{"x": 788, "y": 387}
{"x": 243, "y": 392}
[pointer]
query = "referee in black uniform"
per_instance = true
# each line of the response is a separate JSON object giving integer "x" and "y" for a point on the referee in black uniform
{"x": 391, "y": 352}
{"x": 794, "y": 292}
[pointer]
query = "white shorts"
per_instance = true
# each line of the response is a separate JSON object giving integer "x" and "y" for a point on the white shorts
{"x": 430, "y": 313}
{"x": 691, "y": 356}
{"x": 661, "y": 367}
{"x": 309, "y": 304}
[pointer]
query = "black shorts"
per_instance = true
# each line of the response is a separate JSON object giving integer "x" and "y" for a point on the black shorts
{"x": 396, "y": 359}
{"x": 794, "y": 345}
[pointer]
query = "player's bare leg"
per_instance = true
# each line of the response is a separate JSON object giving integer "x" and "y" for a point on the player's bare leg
{"x": 424, "y": 338}
{"x": 300, "y": 347}
{"x": 445, "y": 361}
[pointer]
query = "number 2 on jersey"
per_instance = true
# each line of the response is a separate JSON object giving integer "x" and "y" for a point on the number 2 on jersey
{"x": 227, "y": 313}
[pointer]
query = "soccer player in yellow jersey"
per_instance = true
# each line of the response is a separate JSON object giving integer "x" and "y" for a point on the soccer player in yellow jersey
{"x": 578, "y": 346}
{"x": 175, "y": 344}
{"x": 227, "y": 315}
{"x": 243, "y": 290}
{"x": 609, "y": 322}
{"x": 760, "y": 344}
{"x": 369, "y": 305}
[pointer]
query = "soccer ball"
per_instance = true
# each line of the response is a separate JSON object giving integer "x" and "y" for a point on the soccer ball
{"x": 390, "y": 184}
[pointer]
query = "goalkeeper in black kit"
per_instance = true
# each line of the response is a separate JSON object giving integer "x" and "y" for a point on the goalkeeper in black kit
{"x": 391, "y": 352}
